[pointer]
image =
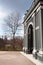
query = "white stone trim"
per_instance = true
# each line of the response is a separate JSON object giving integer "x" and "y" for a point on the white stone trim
{"x": 33, "y": 15}
{"x": 30, "y": 24}
{"x": 41, "y": 31}
{"x": 33, "y": 11}
{"x": 37, "y": 28}
{"x": 41, "y": 52}
{"x": 25, "y": 48}
{"x": 38, "y": 9}
{"x": 25, "y": 23}
{"x": 30, "y": 57}
{"x": 34, "y": 51}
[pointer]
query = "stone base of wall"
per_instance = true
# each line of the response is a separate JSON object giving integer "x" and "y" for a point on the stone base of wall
{"x": 34, "y": 53}
{"x": 40, "y": 56}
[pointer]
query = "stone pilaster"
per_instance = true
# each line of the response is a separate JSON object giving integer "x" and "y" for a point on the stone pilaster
{"x": 40, "y": 53}
{"x": 34, "y": 44}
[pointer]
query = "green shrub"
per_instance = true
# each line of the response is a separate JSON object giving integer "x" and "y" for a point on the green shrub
{"x": 9, "y": 48}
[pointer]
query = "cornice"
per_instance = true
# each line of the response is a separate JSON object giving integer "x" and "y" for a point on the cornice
{"x": 34, "y": 4}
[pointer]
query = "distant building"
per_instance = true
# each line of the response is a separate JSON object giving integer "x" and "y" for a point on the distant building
{"x": 33, "y": 30}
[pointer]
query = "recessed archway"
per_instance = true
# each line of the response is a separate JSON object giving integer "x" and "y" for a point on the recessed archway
{"x": 30, "y": 38}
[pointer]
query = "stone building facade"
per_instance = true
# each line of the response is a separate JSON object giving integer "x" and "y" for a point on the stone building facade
{"x": 33, "y": 30}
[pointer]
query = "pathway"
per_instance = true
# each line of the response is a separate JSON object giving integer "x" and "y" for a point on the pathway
{"x": 13, "y": 58}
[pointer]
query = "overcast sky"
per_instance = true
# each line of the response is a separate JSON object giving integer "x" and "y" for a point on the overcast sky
{"x": 7, "y": 6}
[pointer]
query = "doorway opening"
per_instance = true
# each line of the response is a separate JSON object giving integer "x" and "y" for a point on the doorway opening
{"x": 30, "y": 39}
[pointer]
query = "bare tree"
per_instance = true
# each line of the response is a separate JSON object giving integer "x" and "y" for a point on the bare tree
{"x": 12, "y": 22}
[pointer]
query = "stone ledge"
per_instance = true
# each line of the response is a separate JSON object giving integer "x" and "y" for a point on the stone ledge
{"x": 30, "y": 57}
